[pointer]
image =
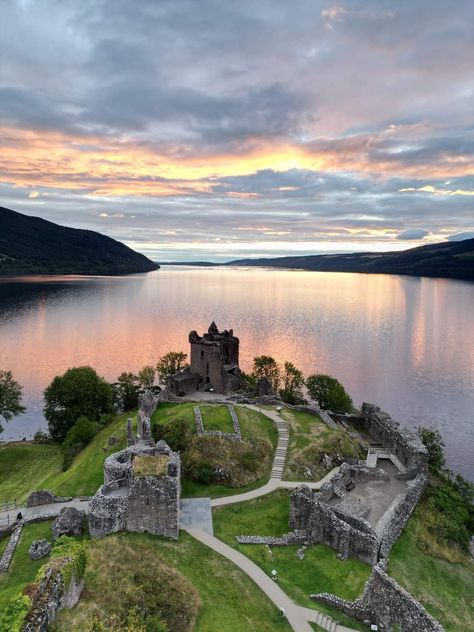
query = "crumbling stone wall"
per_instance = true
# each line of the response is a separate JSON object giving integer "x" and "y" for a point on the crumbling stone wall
{"x": 6, "y": 558}
{"x": 385, "y": 603}
{"x": 406, "y": 446}
{"x": 137, "y": 503}
{"x": 45, "y": 497}
{"x": 233, "y": 436}
{"x": 52, "y": 596}
{"x": 401, "y": 512}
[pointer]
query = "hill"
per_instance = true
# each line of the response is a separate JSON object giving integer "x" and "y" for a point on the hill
{"x": 31, "y": 245}
{"x": 451, "y": 259}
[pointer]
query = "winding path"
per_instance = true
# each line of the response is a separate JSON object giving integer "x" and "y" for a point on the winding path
{"x": 298, "y": 616}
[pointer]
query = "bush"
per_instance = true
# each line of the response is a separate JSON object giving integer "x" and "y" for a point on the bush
{"x": 41, "y": 437}
{"x": 77, "y": 438}
{"x": 177, "y": 434}
{"x": 434, "y": 443}
{"x": 80, "y": 391}
{"x": 451, "y": 518}
{"x": 126, "y": 391}
{"x": 12, "y": 618}
{"x": 329, "y": 393}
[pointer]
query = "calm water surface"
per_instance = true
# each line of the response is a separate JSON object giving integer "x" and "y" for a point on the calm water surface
{"x": 404, "y": 343}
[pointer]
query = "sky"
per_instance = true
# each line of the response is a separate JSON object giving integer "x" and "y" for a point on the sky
{"x": 204, "y": 129}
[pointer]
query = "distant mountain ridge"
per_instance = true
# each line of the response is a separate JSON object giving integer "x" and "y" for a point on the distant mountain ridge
{"x": 31, "y": 245}
{"x": 450, "y": 259}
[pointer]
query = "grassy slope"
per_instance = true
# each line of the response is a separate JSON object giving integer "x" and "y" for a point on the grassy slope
{"x": 25, "y": 467}
{"x": 252, "y": 424}
{"x": 230, "y": 600}
{"x": 309, "y": 439}
{"x": 23, "y": 570}
{"x": 446, "y": 590}
{"x": 319, "y": 571}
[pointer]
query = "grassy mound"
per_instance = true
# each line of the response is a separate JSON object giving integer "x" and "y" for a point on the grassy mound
{"x": 445, "y": 589}
{"x": 212, "y": 464}
{"x": 123, "y": 577}
{"x": 230, "y": 601}
{"x": 314, "y": 449}
{"x": 320, "y": 570}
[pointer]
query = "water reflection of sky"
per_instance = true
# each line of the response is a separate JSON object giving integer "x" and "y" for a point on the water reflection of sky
{"x": 402, "y": 342}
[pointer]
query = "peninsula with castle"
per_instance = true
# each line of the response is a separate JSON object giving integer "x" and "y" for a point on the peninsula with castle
{"x": 216, "y": 483}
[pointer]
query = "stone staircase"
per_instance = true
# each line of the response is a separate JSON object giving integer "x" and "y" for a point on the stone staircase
{"x": 281, "y": 449}
{"x": 339, "y": 490}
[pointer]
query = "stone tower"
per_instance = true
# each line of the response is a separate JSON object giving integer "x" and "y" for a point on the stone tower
{"x": 215, "y": 358}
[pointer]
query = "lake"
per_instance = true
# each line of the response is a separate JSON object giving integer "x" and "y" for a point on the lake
{"x": 404, "y": 343}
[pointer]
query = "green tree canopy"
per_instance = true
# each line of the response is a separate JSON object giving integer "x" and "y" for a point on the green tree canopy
{"x": 146, "y": 377}
{"x": 171, "y": 363}
{"x": 10, "y": 397}
{"x": 293, "y": 382}
{"x": 434, "y": 443}
{"x": 126, "y": 391}
{"x": 266, "y": 366}
{"x": 329, "y": 393}
{"x": 80, "y": 391}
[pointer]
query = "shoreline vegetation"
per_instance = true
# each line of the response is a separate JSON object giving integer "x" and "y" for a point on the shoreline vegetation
{"x": 450, "y": 259}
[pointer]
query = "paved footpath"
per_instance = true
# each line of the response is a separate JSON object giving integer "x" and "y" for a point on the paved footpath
{"x": 298, "y": 617}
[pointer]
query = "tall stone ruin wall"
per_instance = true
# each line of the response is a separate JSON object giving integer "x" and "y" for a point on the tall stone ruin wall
{"x": 406, "y": 446}
{"x": 401, "y": 512}
{"x": 385, "y": 603}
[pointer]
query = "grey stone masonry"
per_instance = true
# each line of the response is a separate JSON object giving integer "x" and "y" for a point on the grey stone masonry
{"x": 69, "y": 522}
{"x": 385, "y": 603}
{"x": 51, "y": 597}
{"x": 39, "y": 549}
{"x": 138, "y": 500}
{"x": 295, "y": 537}
{"x": 45, "y": 497}
{"x": 6, "y": 558}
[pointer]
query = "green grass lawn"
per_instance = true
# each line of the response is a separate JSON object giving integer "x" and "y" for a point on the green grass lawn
{"x": 445, "y": 589}
{"x": 216, "y": 418}
{"x": 23, "y": 570}
{"x": 252, "y": 425}
{"x": 231, "y": 602}
{"x": 319, "y": 571}
{"x": 3, "y": 543}
{"x": 25, "y": 467}
{"x": 310, "y": 438}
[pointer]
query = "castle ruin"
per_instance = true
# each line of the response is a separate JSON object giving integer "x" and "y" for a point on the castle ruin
{"x": 214, "y": 364}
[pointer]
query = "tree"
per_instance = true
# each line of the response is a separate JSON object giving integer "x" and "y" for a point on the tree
{"x": 80, "y": 391}
{"x": 10, "y": 397}
{"x": 266, "y": 366}
{"x": 293, "y": 381}
{"x": 329, "y": 393}
{"x": 434, "y": 443}
{"x": 146, "y": 377}
{"x": 171, "y": 363}
{"x": 126, "y": 391}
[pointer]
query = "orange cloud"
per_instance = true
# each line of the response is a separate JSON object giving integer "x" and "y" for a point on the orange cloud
{"x": 123, "y": 167}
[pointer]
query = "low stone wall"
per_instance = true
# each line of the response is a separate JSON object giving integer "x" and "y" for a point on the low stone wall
{"x": 401, "y": 512}
{"x": 6, "y": 558}
{"x": 45, "y": 497}
{"x": 52, "y": 596}
{"x": 294, "y": 537}
{"x": 233, "y": 436}
{"x": 385, "y": 603}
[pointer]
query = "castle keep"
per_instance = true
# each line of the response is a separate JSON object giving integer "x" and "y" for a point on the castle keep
{"x": 214, "y": 364}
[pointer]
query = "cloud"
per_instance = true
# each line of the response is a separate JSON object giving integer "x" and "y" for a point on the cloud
{"x": 461, "y": 236}
{"x": 413, "y": 234}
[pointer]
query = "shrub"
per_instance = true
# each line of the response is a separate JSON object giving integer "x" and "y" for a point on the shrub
{"x": 77, "y": 438}
{"x": 434, "y": 443}
{"x": 41, "y": 437}
{"x": 12, "y": 618}
{"x": 177, "y": 434}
